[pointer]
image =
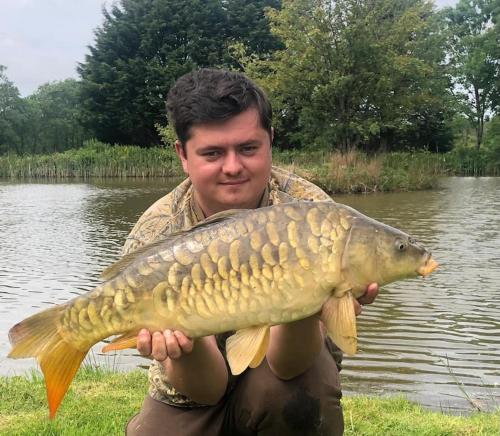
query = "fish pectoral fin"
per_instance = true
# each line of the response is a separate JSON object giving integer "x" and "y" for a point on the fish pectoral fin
{"x": 127, "y": 340}
{"x": 339, "y": 318}
{"x": 246, "y": 348}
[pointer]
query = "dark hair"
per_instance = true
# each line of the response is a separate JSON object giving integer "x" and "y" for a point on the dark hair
{"x": 209, "y": 95}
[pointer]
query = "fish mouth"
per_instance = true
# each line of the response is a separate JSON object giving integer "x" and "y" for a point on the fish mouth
{"x": 429, "y": 266}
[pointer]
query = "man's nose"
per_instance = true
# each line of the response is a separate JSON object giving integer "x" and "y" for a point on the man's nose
{"x": 232, "y": 164}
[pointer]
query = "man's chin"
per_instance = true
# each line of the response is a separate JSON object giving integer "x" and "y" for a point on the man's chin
{"x": 236, "y": 203}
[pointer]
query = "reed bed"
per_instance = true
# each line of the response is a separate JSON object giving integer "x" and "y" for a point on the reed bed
{"x": 471, "y": 162}
{"x": 95, "y": 159}
{"x": 357, "y": 172}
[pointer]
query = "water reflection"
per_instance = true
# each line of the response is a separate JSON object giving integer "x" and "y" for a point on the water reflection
{"x": 423, "y": 337}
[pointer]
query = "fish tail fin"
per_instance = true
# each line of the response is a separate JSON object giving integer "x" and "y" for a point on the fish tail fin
{"x": 38, "y": 336}
{"x": 339, "y": 318}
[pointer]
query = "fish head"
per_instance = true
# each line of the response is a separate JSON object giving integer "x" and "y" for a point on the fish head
{"x": 375, "y": 252}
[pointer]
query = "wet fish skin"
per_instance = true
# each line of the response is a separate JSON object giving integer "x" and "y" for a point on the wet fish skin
{"x": 243, "y": 271}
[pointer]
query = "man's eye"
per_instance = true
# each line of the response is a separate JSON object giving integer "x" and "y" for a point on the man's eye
{"x": 211, "y": 154}
{"x": 250, "y": 149}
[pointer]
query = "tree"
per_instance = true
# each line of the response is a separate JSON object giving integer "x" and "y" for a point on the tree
{"x": 249, "y": 25}
{"x": 355, "y": 72}
{"x": 12, "y": 115}
{"x": 56, "y": 124}
{"x": 475, "y": 58}
{"x": 143, "y": 46}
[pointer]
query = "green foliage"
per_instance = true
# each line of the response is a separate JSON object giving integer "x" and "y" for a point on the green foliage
{"x": 143, "y": 46}
{"x": 167, "y": 134}
{"x": 467, "y": 161}
{"x": 46, "y": 121}
{"x": 465, "y": 158}
{"x": 356, "y": 74}
{"x": 13, "y": 115}
{"x": 492, "y": 139}
{"x": 475, "y": 56}
{"x": 249, "y": 25}
{"x": 55, "y": 123}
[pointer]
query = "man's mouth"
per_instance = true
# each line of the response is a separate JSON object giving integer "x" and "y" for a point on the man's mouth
{"x": 234, "y": 182}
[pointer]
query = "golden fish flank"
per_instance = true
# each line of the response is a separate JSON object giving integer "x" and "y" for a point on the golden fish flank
{"x": 240, "y": 270}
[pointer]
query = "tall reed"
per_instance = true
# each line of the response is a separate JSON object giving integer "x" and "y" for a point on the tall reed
{"x": 355, "y": 171}
{"x": 95, "y": 159}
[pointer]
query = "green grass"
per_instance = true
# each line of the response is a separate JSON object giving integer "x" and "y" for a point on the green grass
{"x": 98, "y": 402}
{"x": 398, "y": 417}
{"x": 102, "y": 401}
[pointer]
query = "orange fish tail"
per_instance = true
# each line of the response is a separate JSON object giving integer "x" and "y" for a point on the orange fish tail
{"x": 38, "y": 336}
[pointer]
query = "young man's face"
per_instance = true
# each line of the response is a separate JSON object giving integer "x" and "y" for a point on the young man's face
{"x": 229, "y": 162}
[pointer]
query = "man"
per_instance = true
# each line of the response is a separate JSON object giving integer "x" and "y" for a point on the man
{"x": 223, "y": 123}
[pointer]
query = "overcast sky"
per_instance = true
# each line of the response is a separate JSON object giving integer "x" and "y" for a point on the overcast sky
{"x": 42, "y": 40}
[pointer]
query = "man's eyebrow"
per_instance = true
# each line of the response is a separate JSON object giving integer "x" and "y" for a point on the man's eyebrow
{"x": 217, "y": 146}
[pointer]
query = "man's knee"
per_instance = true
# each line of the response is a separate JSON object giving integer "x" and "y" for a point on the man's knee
{"x": 307, "y": 404}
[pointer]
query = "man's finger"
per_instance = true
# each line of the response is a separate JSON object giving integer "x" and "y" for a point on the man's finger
{"x": 144, "y": 343}
{"x": 369, "y": 296}
{"x": 357, "y": 308}
{"x": 173, "y": 348}
{"x": 159, "y": 349}
{"x": 185, "y": 343}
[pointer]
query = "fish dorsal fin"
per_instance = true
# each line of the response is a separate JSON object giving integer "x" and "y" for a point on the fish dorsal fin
{"x": 246, "y": 348}
{"x": 116, "y": 268}
{"x": 127, "y": 340}
{"x": 340, "y": 321}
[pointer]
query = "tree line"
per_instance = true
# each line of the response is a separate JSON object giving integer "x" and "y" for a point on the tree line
{"x": 367, "y": 74}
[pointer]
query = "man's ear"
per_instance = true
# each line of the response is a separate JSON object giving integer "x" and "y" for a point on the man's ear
{"x": 179, "y": 149}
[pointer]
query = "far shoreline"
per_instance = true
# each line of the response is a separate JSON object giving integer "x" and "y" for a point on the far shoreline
{"x": 334, "y": 172}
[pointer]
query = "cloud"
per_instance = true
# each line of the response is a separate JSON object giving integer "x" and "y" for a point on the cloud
{"x": 43, "y": 41}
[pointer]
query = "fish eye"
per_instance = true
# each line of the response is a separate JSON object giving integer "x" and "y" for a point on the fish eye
{"x": 400, "y": 245}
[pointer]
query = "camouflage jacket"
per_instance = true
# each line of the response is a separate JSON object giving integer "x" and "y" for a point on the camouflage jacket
{"x": 178, "y": 211}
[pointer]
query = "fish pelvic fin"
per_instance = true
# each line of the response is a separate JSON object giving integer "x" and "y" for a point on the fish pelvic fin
{"x": 339, "y": 318}
{"x": 38, "y": 336}
{"x": 247, "y": 348}
{"x": 127, "y": 340}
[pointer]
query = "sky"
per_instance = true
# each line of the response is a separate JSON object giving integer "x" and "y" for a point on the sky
{"x": 43, "y": 40}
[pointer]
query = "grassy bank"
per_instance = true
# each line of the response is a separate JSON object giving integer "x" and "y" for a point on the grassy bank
{"x": 334, "y": 172}
{"x": 101, "y": 402}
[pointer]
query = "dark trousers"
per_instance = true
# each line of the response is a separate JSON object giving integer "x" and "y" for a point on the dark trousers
{"x": 260, "y": 404}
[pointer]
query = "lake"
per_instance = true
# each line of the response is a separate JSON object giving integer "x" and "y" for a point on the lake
{"x": 434, "y": 339}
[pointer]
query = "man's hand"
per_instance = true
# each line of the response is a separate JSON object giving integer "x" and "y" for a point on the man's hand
{"x": 160, "y": 346}
{"x": 198, "y": 372}
{"x": 367, "y": 298}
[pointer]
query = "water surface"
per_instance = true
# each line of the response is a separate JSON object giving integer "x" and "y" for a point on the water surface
{"x": 437, "y": 340}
